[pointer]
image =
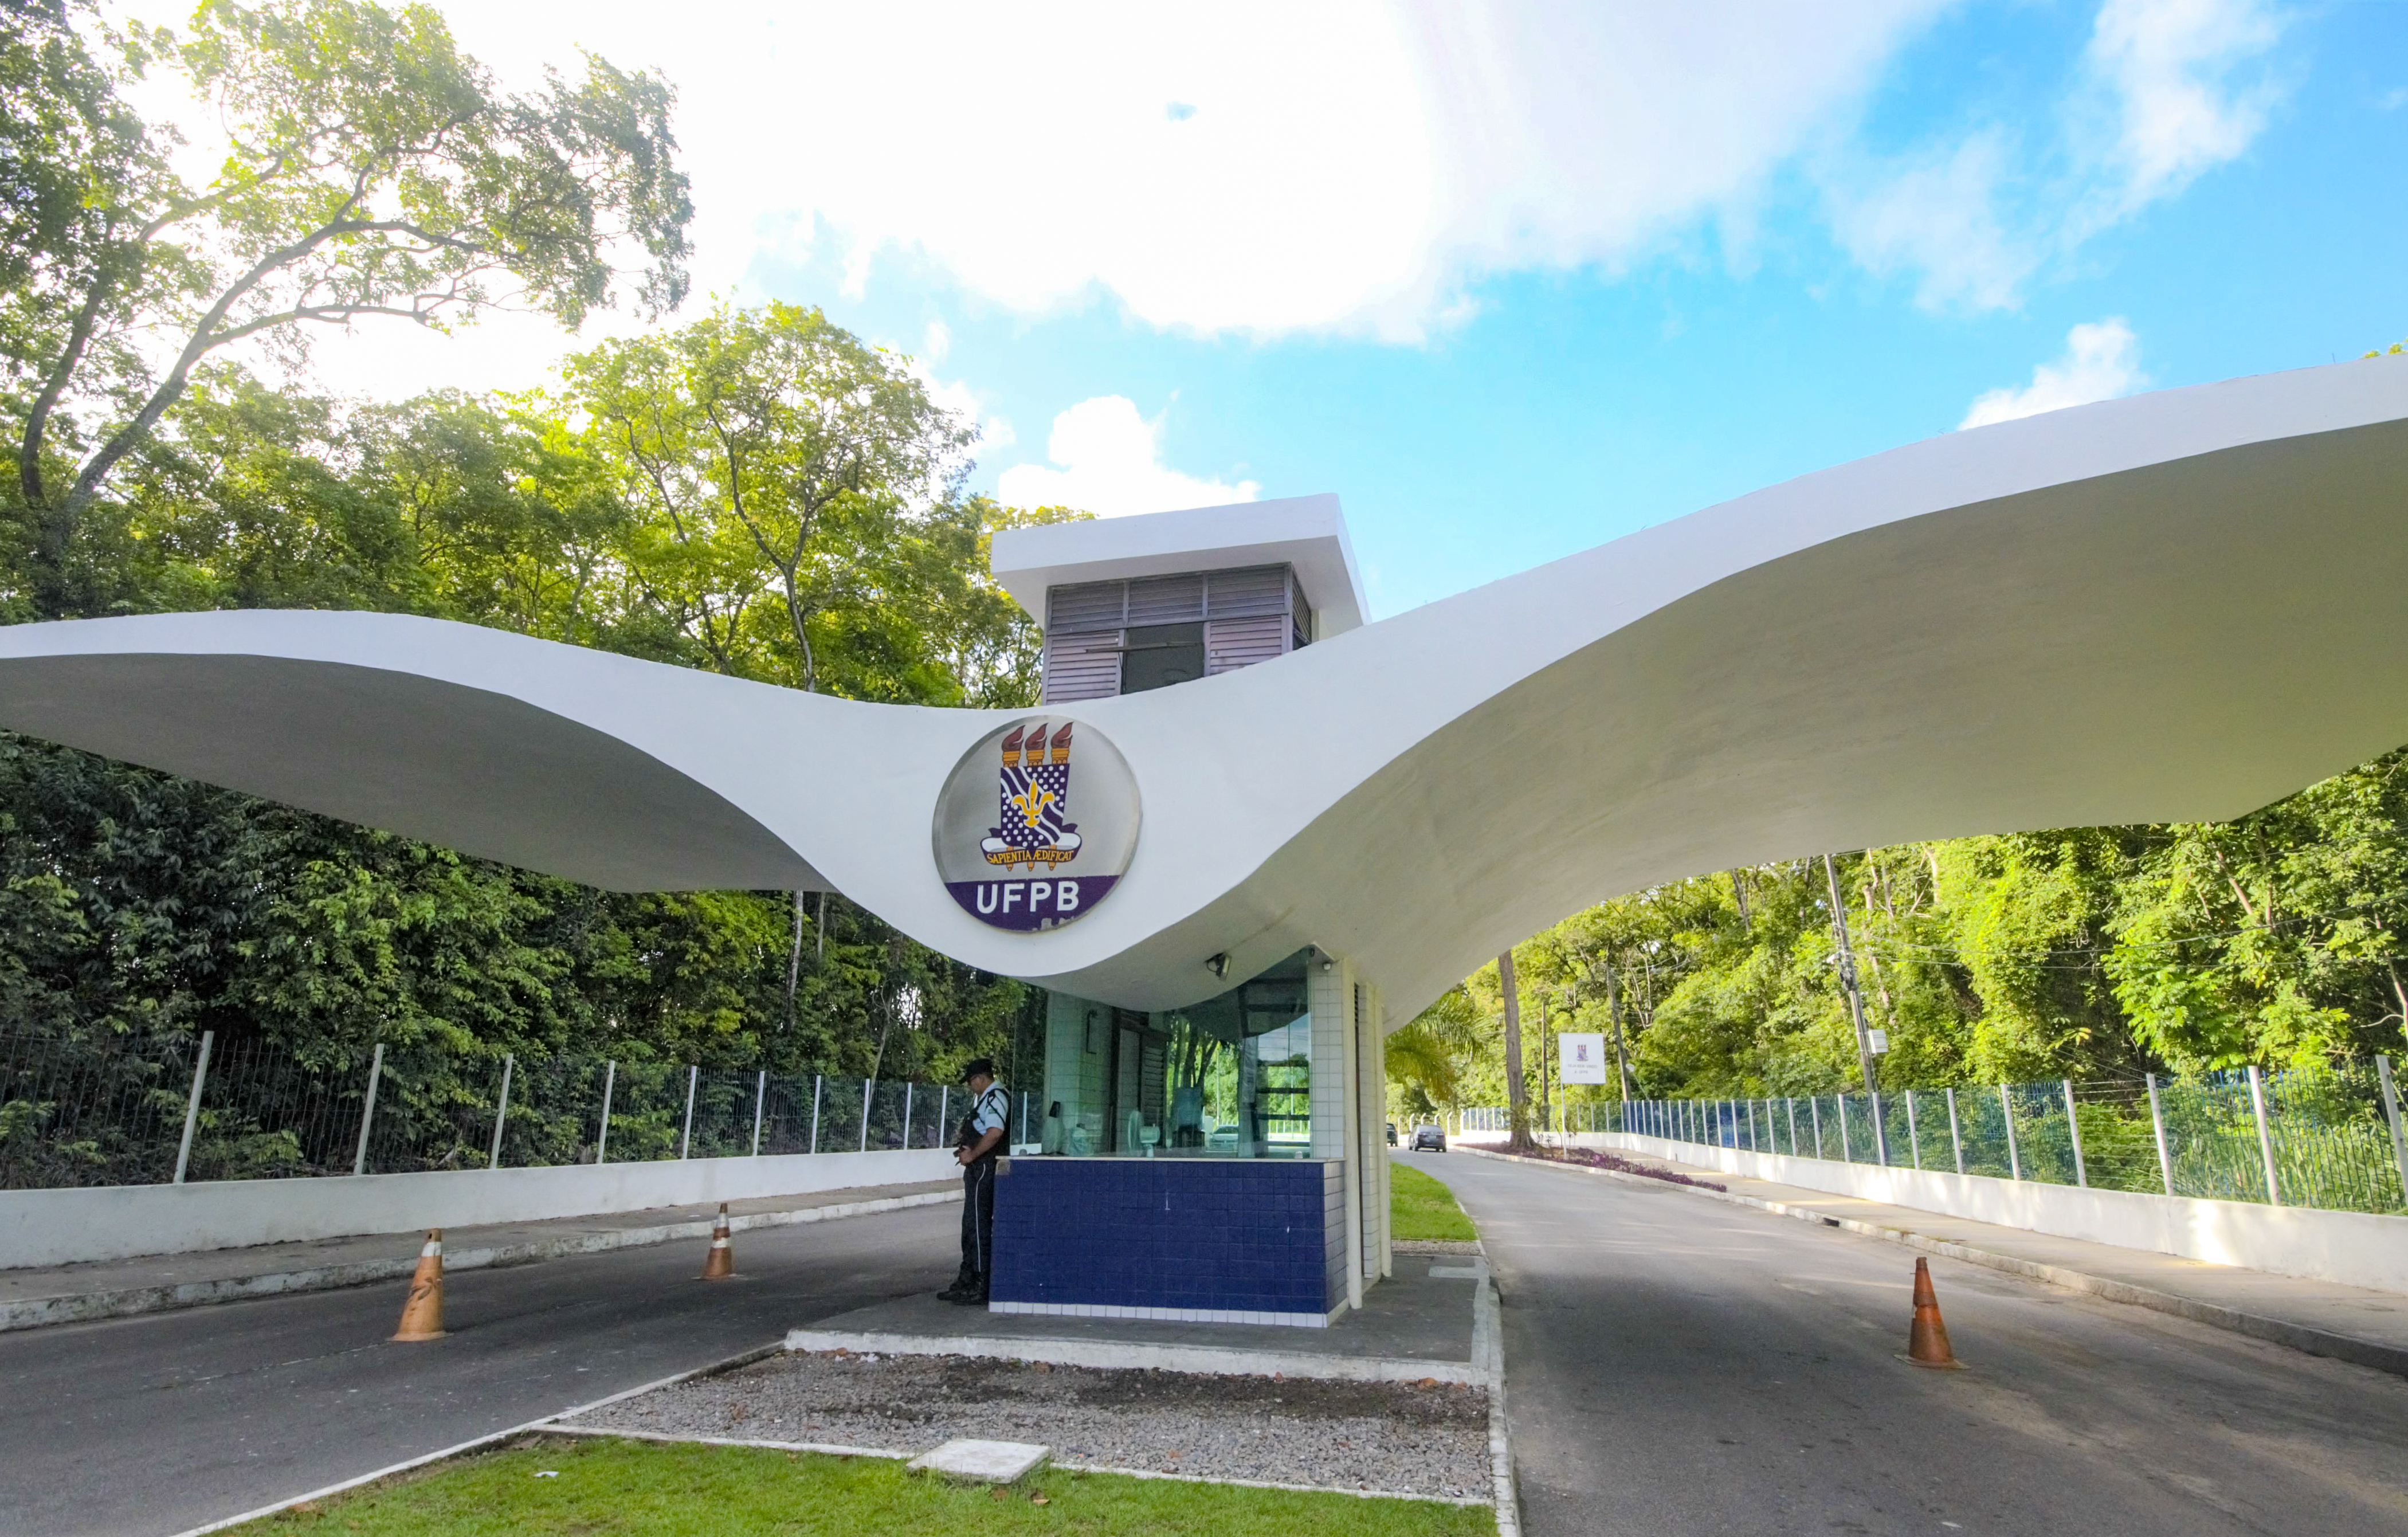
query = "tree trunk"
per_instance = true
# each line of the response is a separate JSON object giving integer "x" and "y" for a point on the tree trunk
{"x": 1546, "y": 1112}
{"x": 1517, "y": 1097}
{"x": 1855, "y": 1008}
{"x": 795, "y": 961}
{"x": 1738, "y": 895}
{"x": 1613, "y": 1013}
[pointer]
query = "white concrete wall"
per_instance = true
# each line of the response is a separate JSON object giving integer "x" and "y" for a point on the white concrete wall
{"x": 2354, "y": 1248}
{"x": 117, "y": 1222}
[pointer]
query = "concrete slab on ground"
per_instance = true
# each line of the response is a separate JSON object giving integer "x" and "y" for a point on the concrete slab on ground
{"x": 31, "y": 1297}
{"x": 983, "y": 1461}
{"x": 2348, "y": 1323}
{"x": 1417, "y": 1324}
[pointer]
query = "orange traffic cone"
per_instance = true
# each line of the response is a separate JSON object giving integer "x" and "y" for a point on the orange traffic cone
{"x": 721, "y": 1263}
{"x": 1926, "y": 1337}
{"x": 421, "y": 1316}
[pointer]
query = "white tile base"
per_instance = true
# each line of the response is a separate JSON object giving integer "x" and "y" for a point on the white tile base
{"x": 1169, "y": 1315}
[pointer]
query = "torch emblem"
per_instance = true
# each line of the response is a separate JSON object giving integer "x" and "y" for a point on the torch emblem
{"x": 1033, "y": 800}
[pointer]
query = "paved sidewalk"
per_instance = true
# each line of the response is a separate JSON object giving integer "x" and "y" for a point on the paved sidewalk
{"x": 1421, "y": 1322}
{"x": 120, "y": 1287}
{"x": 2349, "y": 1323}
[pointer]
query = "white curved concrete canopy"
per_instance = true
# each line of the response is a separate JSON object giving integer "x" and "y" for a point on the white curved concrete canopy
{"x": 2178, "y": 605}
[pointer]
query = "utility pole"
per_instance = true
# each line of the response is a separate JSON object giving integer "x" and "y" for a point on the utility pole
{"x": 1613, "y": 1013}
{"x": 1856, "y": 1007}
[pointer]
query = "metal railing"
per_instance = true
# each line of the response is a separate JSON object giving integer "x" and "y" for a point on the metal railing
{"x": 2332, "y": 1138}
{"x": 115, "y": 1110}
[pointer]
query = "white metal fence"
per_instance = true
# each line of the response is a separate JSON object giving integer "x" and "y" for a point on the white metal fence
{"x": 112, "y": 1109}
{"x": 2330, "y": 1139}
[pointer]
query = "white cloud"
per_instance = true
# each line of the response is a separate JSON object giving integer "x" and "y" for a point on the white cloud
{"x": 2166, "y": 90}
{"x": 1107, "y": 460}
{"x": 2184, "y": 96}
{"x": 1257, "y": 167}
{"x": 1352, "y": 167}
{"x": 2102, "y": 361}
{"x": 1938, "y": 216}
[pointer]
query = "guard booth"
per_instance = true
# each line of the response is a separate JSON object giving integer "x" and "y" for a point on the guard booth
{"x": 1226, "y": 1160}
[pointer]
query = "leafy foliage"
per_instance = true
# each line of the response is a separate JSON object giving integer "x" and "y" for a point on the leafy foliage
{"x": 2093, "y": 952}
{"x": 371, "y": 169}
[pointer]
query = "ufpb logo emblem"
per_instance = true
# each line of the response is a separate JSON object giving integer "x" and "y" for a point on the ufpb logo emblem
{"x": 1037, "y": 824}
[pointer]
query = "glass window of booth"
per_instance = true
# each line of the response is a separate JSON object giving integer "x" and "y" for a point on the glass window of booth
{"x": 1228, "y": 1077}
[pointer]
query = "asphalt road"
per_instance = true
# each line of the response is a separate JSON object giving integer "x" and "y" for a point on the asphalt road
{"x": 1675, "y": 1365}
{"x": 158, "y": 1424}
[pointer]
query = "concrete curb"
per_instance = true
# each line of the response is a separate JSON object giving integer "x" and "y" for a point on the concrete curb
{"x": 1488, "y": 1355}
{"x": 37, "y": 1312}
{"x": 555, "y": 1428}
{"x": 2300, "y": 1337}
{"x": 1115, "y": 1355}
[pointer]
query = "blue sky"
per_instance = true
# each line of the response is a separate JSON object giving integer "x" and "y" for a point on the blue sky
{"x": 1514, "y": 281}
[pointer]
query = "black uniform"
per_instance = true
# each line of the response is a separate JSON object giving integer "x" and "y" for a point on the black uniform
{"x": 992, "y": 1110}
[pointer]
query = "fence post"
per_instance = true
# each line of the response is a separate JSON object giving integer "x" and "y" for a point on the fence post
{"x": 2007, "y": 1111}
{"x": 610, "y": 1084}
{"x": 907, "y": 1116}
{"x": 2157, "y": 1124}
{"x": 501, "y": 1111}
{"x": 2073, "y": 1134}
{"x": 1954, "y": 1140}
{"x": 367, "y": 1111}
{"x": 2265, "y": 1136}
{"x": 945, "y": 1111}
{"x": 1881, "y": 1129}
{"x": 1913, "y": 1137}
{"x": 1791, "y": 1101}
{"x": 817, "y": 1082}
{"x": 1845, "y": 1157}
{"x": 1751, "y": 1127}
{"x": 2391, "y": 1107}
{"x": 760, "y": 1099}
{"x": 686, "y": 1138}
{"x": 1814, "y": 1110}
{"x": 868, "y": 1086}
{"x": 201, "y": 1070}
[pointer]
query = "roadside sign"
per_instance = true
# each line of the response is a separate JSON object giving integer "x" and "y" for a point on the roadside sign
{"x": 1582, "y": 1056}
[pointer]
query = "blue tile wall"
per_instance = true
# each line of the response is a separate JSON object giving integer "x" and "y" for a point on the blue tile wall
{"x": 1253, "y": 1235}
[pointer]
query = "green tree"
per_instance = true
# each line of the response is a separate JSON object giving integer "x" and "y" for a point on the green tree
{"x": 372, "y": 170}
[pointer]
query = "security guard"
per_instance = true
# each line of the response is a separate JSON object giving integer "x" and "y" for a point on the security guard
{"x": 976, "y": 1147}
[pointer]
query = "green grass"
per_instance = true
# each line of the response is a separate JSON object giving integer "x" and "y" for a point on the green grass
{"x": 606, "y": 1488}
{"x": 1421, "y": 1207}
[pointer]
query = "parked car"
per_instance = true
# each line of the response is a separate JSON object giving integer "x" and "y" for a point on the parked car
{"x": 1392, "y": 1133}
{"x": 1430, "y": 1139}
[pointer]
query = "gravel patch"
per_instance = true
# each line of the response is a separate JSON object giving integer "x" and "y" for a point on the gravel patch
{"x": 1404, "y": 1438}
{"x": 1436, "y": 1245}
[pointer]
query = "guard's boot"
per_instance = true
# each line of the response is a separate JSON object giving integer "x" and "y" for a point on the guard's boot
{"x": 963, "y": 1284}
{"x": 970, "y": 1293}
